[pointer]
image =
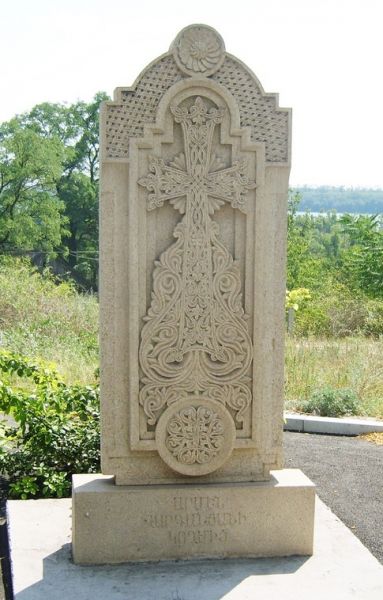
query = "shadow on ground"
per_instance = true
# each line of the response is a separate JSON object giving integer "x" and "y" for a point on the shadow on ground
{"x": 173, "y": 580}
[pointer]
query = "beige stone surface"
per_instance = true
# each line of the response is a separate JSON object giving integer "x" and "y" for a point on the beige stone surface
{"x": 195, "y": 160}
{"x": 113, "y": 524}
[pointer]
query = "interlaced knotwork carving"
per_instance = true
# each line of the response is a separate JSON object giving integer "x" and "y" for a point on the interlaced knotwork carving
{"x": 195, "y": 435}
{"x": 195, "y": 338}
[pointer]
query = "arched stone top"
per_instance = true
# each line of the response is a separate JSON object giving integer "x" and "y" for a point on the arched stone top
{"x": 135, "y": 107}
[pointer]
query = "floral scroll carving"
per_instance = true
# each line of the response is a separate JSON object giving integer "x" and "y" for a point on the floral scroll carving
{"x": 195, "y": 339}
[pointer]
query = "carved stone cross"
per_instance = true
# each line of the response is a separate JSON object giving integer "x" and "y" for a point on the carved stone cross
{"x": 192, "y": 319}
{"x": 192, "y": 174}
{"x": 195, "y": 339}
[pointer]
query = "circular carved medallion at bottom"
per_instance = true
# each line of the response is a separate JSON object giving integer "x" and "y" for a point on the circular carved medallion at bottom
{"x": 195, "y": 436}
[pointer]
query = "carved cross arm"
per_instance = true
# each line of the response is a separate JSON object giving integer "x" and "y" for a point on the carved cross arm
{"x": 164, "y": 182}
{"x": 231, "y": 184}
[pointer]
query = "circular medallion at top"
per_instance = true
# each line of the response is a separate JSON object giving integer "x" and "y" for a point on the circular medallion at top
{"x": 195, "y": 435}
{"x": 198, "y": 50}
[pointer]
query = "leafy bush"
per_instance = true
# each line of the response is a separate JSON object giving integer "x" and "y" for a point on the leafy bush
{"x": 340, "y": 260}
{"x": 338, "y": 312}
{"x": 295, "y": 298}
{"x": 51, "y": 430}
{"x": 329, "y": 402}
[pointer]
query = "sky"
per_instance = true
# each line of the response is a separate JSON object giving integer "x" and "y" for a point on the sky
{"x": 323, "y": 57}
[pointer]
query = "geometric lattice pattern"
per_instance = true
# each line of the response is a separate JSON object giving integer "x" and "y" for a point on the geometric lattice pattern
{"x": 138, "y": 107}
{"x": 259, "y": 112}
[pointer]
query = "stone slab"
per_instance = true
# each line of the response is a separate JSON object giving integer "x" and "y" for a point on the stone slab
{"x": 341, "y": 567}
{"x": 113, "y": 524}
{"x": 329, "y": 425}
{"x": 194, "y": 170}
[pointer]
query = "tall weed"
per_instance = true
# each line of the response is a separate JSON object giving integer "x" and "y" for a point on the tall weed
{"x": 335, "y": 311}
{"x": 355, "y": 363}
{"x": 43, "y": 318}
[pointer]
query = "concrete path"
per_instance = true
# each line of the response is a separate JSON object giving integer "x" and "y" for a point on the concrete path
{"x": 348, "y": 473}
{"x": 341, "y": 568}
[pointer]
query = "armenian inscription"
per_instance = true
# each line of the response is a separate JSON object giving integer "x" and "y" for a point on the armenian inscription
{"x": 194, "y": 168}
{"x": 196, "y": 520}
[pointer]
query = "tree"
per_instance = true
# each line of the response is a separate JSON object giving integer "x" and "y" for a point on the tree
{"x": 49, "y": 175}
{"x": 31, "y": 214}
{"x": 78, "y": 128}
{"x": 362, "y": 261}
{"x": 299, "y": 234}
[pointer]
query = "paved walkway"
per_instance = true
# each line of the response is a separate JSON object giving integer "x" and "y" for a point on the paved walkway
{"x": 348, "y": 473}
{"x": 349, "y": 478}
{"x": 340, "y": 569}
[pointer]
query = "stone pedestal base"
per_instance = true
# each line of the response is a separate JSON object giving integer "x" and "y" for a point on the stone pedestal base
{"x": 115, "y": 524}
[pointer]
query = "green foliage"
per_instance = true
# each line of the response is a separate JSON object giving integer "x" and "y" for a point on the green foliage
{"x": 31, "y": 214}
{"x": 329, "y": 402}
{"x": 354, "y": 363}
{"x": 297, "y": 242}
{"x": 337, "y": 312}
{"x": 373, "y": 325}
{"x": 296, "y": 298}
{"x": 77, "y": 127}
{"x": 341, "y": 261}
{"x": 49, "y": 185}
{"x": 42, "y": 317}
{"x": 363, "y": 259}
{"x": 51, "y": 430}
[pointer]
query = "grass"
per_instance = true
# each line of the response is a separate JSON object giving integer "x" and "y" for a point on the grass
{"x": 42, "y": 319}
{"x": 374, "y": 438}
{"x": 355, "y": 363}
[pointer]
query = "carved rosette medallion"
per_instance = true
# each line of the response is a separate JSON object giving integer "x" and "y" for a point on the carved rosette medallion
{"x": 195, "y": 436}
{"x": 198, "y": 50}
{"x": 195, "y": 340}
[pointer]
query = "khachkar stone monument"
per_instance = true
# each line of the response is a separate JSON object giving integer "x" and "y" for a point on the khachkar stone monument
{"x": 195, "y": 160}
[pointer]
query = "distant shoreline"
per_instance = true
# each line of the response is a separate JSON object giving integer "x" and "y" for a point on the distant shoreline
{"x": 322, "y": 199}
{"x": 312, "y": 213}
